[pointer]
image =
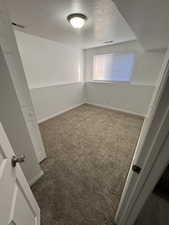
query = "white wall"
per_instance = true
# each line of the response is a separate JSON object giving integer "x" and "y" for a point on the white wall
{"x": 133, "y": 99}
{"x": 47, "y": 62}
{"x": 54, "y": 73}
{"x": 49, "y": 66}
{"x": 135, "y": 96}
{"x": 53, "y": 100}
{"x": 147, "y": 67}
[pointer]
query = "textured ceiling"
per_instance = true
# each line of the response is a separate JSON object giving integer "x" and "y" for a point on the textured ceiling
{"x": 149, "y": 20}
{"x": 47, "y": 18}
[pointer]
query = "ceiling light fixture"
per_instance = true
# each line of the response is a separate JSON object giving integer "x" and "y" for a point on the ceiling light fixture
{"x": 77, "y": 20}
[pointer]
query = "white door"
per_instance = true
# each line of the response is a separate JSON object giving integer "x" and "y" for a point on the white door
{"x": 146, "y": 153}
{"x": 34, "y": 132}
{"x": 12, "y": 57}
{"x": 17, "y": 203}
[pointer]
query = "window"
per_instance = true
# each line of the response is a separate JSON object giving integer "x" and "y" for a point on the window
{"x": 116, "y": 67}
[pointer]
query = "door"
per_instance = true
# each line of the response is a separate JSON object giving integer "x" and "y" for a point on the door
{"x": 152, "y": 136}
{"x": 12, "y": 57}
{"x": 35, "y": 135}
{"x": 17, "y": 203}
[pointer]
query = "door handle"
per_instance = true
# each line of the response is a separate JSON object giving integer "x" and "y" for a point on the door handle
{"x": 16, "y": 160}
{"x": 136, "y": 169}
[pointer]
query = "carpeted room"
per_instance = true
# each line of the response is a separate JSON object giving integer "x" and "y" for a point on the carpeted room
{"x": 89, "y": 152}
{"x": 89, "y": 124}
{"x": 90, "y": 128}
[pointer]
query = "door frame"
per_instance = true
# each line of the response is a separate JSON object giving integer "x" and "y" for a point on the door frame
{"x": 156, "y": 157}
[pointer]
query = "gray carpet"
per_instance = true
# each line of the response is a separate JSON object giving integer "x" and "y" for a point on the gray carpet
{"x": 89, "y": 153}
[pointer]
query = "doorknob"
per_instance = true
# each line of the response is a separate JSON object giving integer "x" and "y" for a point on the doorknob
{"x": 16, "y": 160}
{"x": 136, "y": 168}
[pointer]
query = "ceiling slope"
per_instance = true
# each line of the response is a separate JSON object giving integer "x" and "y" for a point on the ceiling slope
{"x": 149, "y": 19}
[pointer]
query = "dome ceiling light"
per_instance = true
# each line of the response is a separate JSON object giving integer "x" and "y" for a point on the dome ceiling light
{"x": 77, "y": 20}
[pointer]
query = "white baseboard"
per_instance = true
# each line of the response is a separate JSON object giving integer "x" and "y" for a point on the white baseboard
{"x": 116, "y": 109}
{"x": 36, "y": 178}
{"x": 42, "y": 156}
{"x": 59, "y": 113}
{"x": 86, "y": 102}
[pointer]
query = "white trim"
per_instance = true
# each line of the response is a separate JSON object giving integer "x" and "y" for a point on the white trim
{"x": 86, "y": 102}
{"x": 111, "y": 44}
{"x": 92, "y": 81}
{"x": 116, "y": 109}
{"x": 120, "y": 83}
{"x": 56, "y": 84}
{"x": 143, "y": 84}
{"x": 36, "y": 178}
{"x": 59, "y": 113}
{"x": 42, "y": 156}
{"x": 109, "y": 82}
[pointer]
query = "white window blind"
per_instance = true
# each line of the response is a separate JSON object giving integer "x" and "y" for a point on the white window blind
{"x": 113, "y": 67}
